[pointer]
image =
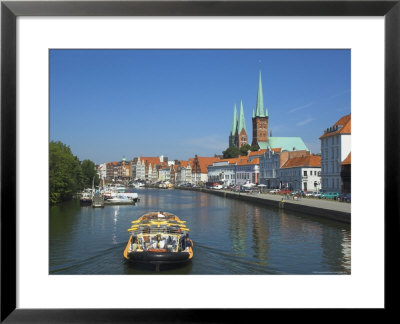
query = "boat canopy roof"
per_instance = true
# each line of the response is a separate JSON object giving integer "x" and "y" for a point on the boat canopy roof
{"x": 158, "y": 222}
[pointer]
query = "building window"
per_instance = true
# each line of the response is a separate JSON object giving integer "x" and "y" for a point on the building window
{"x": 305, "y": 173}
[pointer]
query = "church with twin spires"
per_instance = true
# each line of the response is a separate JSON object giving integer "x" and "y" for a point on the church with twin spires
{"x": 239, "y": 137}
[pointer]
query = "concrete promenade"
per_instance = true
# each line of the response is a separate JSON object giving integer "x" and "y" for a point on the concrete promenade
{"x": 330, "y": 209}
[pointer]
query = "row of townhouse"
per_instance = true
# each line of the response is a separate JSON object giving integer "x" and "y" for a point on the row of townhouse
{"x": 274, "y": 167}
{"x": 236, "y": 171}
{"x": 121, "y": 170}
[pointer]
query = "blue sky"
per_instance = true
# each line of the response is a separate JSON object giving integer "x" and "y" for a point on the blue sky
{"x": 106, "y": 104}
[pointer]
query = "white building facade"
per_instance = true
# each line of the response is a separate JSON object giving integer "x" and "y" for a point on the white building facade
{"x": 247, "y": 172}
{"x": 335, "y": 147}
{"x": 223, "y": 172}
{"x": 102, "y": 171}
{"x": 301, "y": 178}
{"x": 269, "y": 167}
{"x": 164, "y": 174}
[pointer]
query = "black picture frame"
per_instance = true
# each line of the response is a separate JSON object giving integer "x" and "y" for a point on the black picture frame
{"x": 10, "y": 10}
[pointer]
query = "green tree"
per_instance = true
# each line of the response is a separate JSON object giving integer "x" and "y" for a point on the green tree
{"x": 65, "y": 173}
{"x": 244, "y": 149}
{"x": 254, "y": 148}
{"x": 231, "y": 152}
{"x": 89, "y": 172}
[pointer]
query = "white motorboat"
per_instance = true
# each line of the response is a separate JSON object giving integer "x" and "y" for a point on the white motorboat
{"x": 119, "y": 200}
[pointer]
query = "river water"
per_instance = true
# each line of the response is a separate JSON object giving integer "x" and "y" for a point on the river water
{"x": 230, "y": 237}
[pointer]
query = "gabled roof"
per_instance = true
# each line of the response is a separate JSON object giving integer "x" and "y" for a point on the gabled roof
{"x": 303, "y": 161}
{"x": 184, "y": 164}
{"x": 342, "y": 126}
{"x": 347, "y": 160}
{"x": 204, "y": 162}
{"x": 150, "y": 160}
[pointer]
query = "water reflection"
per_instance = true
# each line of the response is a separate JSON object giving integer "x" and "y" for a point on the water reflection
{"x": 260, "y": 232}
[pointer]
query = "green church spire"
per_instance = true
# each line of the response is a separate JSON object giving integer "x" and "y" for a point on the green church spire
{"x": 260, "y": 99}
{"x": 241, "y": 123}
{"x": 234, "y": 122}
{"x": 254, "y": 114}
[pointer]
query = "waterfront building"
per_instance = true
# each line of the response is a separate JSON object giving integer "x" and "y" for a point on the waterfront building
{"x": 139, "y": 169}
{"x": 346, "y": 174}
{"x": 223, "y": 171}
{"x": 164, "y": 174}
{"x": 123, "y": 170}
{"x": 184, "y": 172}
{"x": 199, "y": 168}
{"x": 173, "y": 172}
{"x": 102, "y": 171}
{"x": 301, "y": 173}
{"x": 145, "y": 165}
{"x": 335, "y": 147}
{"x": 270, "y": 163}
{"x": 247, "y": 171}
{"x": 111, "y": 171}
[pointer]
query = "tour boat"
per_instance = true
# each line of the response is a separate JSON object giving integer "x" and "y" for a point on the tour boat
{"x": 159, "y": 238}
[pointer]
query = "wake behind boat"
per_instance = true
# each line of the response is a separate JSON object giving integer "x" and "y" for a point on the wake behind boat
{"x": 159, "y": 238}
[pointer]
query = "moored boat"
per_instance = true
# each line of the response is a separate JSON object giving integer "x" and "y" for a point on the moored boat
{"x": 159, "y": 238}
{"x": 85, "y": 198}
{"x": 119, "y": 200}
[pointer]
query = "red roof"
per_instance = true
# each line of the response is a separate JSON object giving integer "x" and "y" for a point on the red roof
{"x": 204, "y": 162}
{"x": 303, "y": 161}
{"x": 259, "y": 152}
{"x": 344, "y": 124}
{"x": 278, "y": 149}
{"x": 150, "y": 160}
{"x": 184, "y": 164}
{"x": 231, "y": 160}
{"x": 246, "y": 161}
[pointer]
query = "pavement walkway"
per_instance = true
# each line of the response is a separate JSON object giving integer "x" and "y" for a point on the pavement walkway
{"x": 312, "y": 202}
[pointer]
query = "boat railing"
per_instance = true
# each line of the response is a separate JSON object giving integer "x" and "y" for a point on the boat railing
{"x": 157, "y": 230}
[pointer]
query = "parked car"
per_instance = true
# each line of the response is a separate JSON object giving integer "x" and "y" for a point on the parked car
{"x": 284, "y": 191}
{"x": 298, "y": 193}
{"x": 274, "y": 191}
{"x": 308, "y": 193}
{"x": 344, "y": 197}
{"x": 217, "y": 187}
{"x": 329, "y": 195}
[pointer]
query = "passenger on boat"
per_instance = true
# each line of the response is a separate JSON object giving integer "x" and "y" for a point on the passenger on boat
{"x": 188, "y": 241}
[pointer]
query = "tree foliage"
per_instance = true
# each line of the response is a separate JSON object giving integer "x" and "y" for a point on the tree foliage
{"x": 88, "y": 173}
{"x": 234, "y": 152}
{"x": 231, "y": 152}
{"x": 67, "y": 175}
